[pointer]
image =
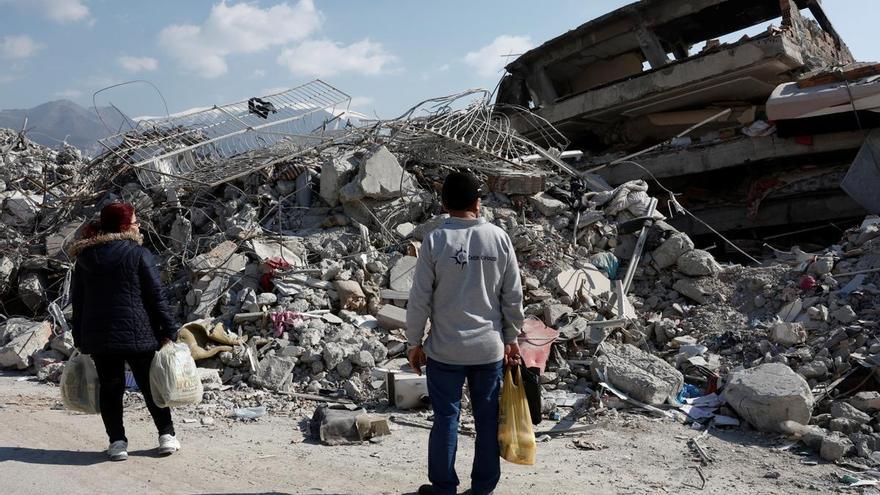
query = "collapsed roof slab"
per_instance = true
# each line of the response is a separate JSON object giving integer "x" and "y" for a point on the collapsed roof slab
{"x": 744, "y": 150}
{"x": 821, "y": 206}
{"x": 744, "y": 72}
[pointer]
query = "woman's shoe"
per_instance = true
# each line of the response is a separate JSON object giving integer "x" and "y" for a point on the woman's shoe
{"x": 168, "y": 444}
{"x": 118, "y": 450}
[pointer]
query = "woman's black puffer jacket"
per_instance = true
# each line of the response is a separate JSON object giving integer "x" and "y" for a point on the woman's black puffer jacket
{"x": 119, "y": 303}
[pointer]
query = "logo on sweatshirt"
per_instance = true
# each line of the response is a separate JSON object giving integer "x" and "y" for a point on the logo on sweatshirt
{"x": 461, "y": 257}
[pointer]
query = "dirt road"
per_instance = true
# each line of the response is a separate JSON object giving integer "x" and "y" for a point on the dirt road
{"x": 44, "y": 449}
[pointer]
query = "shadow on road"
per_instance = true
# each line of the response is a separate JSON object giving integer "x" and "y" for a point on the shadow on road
{"x": 52, "y": 457}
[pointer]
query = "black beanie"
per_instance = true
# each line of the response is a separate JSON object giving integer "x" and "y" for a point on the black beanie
{"x": 460, "y": 190}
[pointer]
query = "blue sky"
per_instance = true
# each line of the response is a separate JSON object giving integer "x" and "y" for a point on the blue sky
{"x": 388, "y": 55}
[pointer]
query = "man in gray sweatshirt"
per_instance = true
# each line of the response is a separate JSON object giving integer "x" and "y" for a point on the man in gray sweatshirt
{"x": 467, "y": 283}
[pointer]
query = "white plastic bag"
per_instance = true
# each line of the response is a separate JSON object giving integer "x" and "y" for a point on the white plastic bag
{"x": 79, "y": 385}
{"x": 174, "y": 379}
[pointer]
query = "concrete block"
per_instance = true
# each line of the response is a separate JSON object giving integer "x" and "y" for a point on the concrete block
{"x": 643, "y": 376}
{"x": 697, "y": 263}
{"x": 335, "y": 173}
{"x": 688, "y": 287}
{"x": 402, "y": 274}
{"x": 866, "y": 401}
{"x": 847, "y": 411}
{"x": 768, "y": 395}
{"x": 788, "y": 333}
{"x": 16, "y": 353}
{"x": 391, "y": 317}
{"x": 548, "y": 206}
{"x": 668, "y": 253}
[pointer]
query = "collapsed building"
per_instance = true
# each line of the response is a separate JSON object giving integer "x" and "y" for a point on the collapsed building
{"x": 644, "y": 74}
{"x": 288, "y": 229}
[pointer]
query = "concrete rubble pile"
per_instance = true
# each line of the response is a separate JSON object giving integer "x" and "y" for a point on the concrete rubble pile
{"x": 293, "y": 284}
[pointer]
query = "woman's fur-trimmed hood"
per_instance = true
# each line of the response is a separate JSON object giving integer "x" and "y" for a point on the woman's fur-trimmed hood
{"x": 81, "y": 245}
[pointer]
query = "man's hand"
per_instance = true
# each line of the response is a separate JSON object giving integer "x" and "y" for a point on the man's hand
{"x": 417, "y": 358}
{"x": 511, "y": 354}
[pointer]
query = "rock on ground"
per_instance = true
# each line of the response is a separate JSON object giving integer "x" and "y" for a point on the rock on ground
{"x": 643, "y": 376}
{"x": 768, "y": 395}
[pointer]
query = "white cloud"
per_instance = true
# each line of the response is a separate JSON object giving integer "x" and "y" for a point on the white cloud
{"x": 238, "y": 28}
{"x": 491, "y": 59}
{"x": 323, "y": 58}
{"x": 69, "y": 93}
{"x": 4, "y": 79}
{"x": 57, "y": 10}
{"x": 257, "y": 74}
{"x": 18, "y": 47}
{"x": 138, "y": 64}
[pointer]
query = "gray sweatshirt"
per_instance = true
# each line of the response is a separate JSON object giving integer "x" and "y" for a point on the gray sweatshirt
{"x": 467, "y": 282}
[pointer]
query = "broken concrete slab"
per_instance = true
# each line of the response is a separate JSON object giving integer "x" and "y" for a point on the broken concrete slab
{"x": 834, "y": 447}
{"x": 273, "y": 372}
{"x": 846, "y": 411}
{"x": 788, "y": 333}
{"x": 380, "y": 175}
{"x": 844, "y": 315}
{"x": 643, "y": 376}
{"x": 590, "y": 279}
{"x": 18, "y": 351}
{"x": 221, "y": 259}
{"x": 866, "y": 401}
{"x": 668, "y": 253}
{"x": 335, "y": 173}
{"x": 63, "y": 343}
{"x": 8, "y": 269}
{"x": 768, "y": 395}
{"x": 32, "y": 290}
{"x": 290, "y": 249}
{"x": 391, "y": 317}
{"x": 402, "y": 274}
{"x": 697, "y": 263}
{"x": 547, "y": 205}
{"x": 689, "y": 288}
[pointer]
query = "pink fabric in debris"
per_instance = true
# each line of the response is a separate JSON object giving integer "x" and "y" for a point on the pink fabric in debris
{"x": 282, "y": 318}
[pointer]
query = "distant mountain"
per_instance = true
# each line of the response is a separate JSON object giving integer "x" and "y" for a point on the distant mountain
{"x": 51, "y": 123}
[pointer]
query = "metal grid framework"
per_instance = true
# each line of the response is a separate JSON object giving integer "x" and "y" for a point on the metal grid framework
{"x": 222, "y": 143}
{"x": 476, "y": 135}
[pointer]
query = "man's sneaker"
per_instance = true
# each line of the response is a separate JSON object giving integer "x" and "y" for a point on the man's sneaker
{"x": 168, "y": 444}
{"x": 118, "y": 450}
{"x": 427, "y": 490}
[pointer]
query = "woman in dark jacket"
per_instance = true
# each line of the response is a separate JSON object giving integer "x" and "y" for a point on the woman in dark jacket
{"x": 121, "y": 314}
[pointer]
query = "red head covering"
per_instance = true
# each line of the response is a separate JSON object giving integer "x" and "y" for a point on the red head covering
{"x": 116, "y": 217}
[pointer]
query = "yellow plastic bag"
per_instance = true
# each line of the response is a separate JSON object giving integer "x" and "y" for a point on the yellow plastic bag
{"x": 174, "y": 379}
{"x": 515, "y": 429}
{"x": 79, "y": 385}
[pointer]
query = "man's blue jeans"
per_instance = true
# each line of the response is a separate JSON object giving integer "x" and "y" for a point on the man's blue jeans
{"x": 445, "y": 382}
